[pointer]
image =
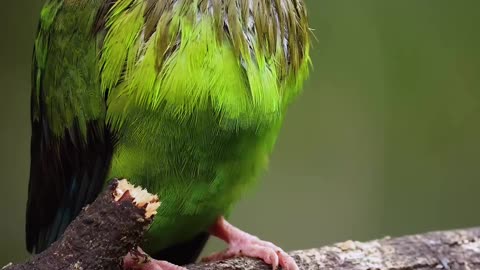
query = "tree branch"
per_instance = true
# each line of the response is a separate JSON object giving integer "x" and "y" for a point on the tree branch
{"x": 458, "y": 249}
{"x": 102, "y": 234}
{"x": 114, "y": 224}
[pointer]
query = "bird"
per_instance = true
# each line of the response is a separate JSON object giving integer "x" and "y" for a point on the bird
{"x": 183, "y": 97}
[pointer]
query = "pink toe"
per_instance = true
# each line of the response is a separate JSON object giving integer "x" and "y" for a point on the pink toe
{"x": 268, "y": 255}
{"x": 139, "y": 260}
{"x": 157, "y": 265}
{"x": 287, "y": 262}
{"x": 164, "y": 265}
{"x": 242, "y": 243}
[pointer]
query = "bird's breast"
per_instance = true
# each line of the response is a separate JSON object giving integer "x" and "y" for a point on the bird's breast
{"x": 197, "y": 166}
{"x": 197, "y": 162}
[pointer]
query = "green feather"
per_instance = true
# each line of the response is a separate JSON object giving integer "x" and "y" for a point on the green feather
{"x": 197, "y": 91}
{"x": 67, "y": 64}
{"x": 188, "y": 64}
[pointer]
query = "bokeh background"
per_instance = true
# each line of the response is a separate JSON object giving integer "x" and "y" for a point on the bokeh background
{"x": 385, "y": 139}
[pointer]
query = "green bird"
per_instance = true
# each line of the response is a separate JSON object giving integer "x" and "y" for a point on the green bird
{"x": 183, "y": 97}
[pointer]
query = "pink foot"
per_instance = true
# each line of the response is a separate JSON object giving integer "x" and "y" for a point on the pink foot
{"x": 243, "y": 244}
{"x": 139, "y": 260}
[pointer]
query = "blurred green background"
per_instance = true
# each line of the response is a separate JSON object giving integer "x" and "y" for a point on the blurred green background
{"x": 385, "y": 139}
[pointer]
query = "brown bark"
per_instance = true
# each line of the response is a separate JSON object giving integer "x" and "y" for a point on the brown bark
{"x": 102, "y": 234}
{"x": 451, "y": 250}
{"x": 111, "y": 226}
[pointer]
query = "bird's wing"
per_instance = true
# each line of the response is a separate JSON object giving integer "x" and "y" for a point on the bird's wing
{"x": 71, "y": 146}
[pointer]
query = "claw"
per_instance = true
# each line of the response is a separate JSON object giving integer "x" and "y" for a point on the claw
{"x": 243, "y": 244}
{"x": 137, "y": 259}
